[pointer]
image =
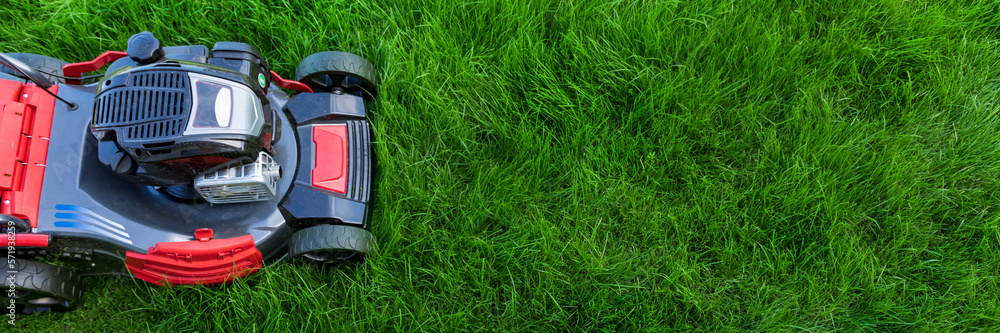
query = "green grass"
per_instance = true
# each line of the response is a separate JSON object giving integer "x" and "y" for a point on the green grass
{"x": 622, "y": 166}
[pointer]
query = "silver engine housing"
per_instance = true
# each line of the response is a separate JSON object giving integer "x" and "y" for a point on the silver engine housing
{"x": 252, "y": 182}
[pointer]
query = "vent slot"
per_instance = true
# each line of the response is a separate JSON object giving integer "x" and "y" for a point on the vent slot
{"x": 159, "y": 151}
{"x": 167, "y": 128}
{"x": 158, "y": 144}
{"x": 359, "y": 161}
{"x": 159, "y": 79}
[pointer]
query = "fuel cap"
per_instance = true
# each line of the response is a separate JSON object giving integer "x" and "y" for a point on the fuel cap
{"x": 144, "y": 48}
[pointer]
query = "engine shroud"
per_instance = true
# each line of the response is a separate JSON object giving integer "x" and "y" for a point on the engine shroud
{"x": 165, "y": 123}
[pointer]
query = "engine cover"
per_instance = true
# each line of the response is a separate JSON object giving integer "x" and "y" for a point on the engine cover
{"x": 164, "y": 124}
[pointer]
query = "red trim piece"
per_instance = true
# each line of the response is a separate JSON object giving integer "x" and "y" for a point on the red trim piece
{"x": 330, "y": 163}
{"x": 11, "y": 120}
{"x": 25, "y": 126}
{"x": 205, "y": 262}
{"x": 289, "y": 84}
{"x": 31, "y": 240}
{"x": 204, "y": 234}
{"x": 78, "y": 68}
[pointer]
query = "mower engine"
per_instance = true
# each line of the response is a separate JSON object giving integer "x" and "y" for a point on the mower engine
{"x": 189, "y": 123}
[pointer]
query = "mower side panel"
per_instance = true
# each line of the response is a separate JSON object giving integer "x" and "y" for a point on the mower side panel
{"x": 310, "y": 107}
{"x": 25, "y": 124}
{"x": 333, "y": 179}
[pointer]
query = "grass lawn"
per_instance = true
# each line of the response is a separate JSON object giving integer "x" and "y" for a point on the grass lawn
{"x": 632, "y": 166}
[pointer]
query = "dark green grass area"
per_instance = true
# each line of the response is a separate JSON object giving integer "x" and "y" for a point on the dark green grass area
{"x": 631, "y": 166}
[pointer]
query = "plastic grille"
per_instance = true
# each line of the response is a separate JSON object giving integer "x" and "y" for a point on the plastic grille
{"x": 359, "y": 158}
{"x": 150, "y": 105}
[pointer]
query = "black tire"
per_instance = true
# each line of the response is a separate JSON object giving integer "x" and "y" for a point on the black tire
{"x": 331, "y": 244}
{"x": 40, "y": 287}
{"x": 44, "y": 64}
{"x": 327, "y": 71}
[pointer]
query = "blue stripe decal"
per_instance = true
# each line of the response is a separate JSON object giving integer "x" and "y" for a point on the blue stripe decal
{"x": 90, "y": 227}
{"x": 91, "y": 221}
{"x": 88, "y": 212}
{"x": 87, "y": 218}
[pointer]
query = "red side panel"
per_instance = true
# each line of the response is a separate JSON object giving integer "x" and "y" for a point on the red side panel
{"x": 289, "y": 84}
{"x": 76, "y": 69}
{"x": 25, "y": 125}
{"x": 11, "y": 120}
{"x": 207, "y": 261}
{"x": 330, "y": 171}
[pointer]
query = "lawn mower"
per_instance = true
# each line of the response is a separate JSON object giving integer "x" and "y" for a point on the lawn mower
{"x": 179, "y": 165}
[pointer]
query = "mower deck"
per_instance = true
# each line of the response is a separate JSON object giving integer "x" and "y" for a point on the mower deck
{"x": 87, "y": 206}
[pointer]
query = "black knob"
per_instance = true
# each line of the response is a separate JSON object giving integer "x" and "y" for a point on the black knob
{"x": 144, "y": 48}
{"x": 122, "y": 163}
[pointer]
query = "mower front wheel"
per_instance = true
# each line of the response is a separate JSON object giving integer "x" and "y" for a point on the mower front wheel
{"x": 331, "y": 244}
{"x": 334, "y": 71}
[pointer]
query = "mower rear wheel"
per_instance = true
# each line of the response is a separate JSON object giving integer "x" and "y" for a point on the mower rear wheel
{"x": 331, "y": 244}
{"x": 46, "y": 65}
{"x": 40, "y": 287}
{"x": 333, "y": 71}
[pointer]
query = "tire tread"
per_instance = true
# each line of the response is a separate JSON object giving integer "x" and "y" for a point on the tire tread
{"x": 42, "y": 63}
{"x": 58, "y": 281}
{"x": 338, "y": 62}
{"x": 331, "y": 237}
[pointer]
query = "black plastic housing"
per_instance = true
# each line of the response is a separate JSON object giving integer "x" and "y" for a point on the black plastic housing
{"x": 141, "y": 111}
{"x": 306, "y": 204}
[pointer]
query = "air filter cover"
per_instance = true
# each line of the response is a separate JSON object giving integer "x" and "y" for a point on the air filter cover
{"x": 252, "y": 182}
